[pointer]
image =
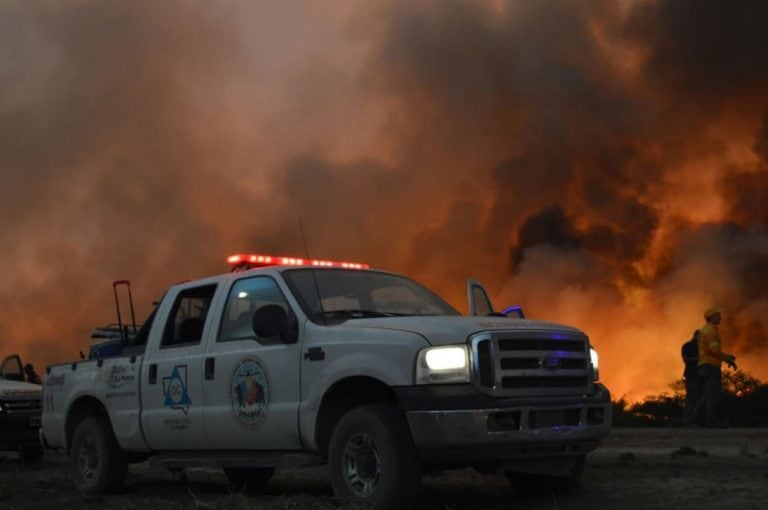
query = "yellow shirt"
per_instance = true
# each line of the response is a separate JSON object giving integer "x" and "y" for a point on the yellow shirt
{"x": 710, "y": 350}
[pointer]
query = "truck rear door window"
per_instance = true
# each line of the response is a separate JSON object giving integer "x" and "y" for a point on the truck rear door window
{"x": 187, "y": 319}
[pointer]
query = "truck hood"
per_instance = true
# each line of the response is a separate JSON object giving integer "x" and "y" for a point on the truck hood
{"x": 444, "y": 330}
{"x": 17, "y": 390}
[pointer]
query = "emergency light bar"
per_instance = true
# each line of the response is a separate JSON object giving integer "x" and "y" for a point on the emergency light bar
{"x": 247, "y": 261}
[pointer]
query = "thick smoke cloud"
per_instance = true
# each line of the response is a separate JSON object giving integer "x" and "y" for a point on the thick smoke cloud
{"x": 625, "y": 137}
{"x": 551, "y": 227}
{"x": 601, "y": 163}
{"x": 702, "y": 51}
{"x": 115, "y": 160}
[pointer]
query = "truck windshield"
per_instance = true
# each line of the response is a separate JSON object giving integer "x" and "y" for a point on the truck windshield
{"x": 356, "y": 294}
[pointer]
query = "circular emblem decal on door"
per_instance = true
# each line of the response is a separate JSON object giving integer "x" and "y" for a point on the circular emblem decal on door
{"x": 249, "y": 392}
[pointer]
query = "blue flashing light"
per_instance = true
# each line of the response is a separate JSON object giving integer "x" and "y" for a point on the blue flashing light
{"x": 516, "y": 309}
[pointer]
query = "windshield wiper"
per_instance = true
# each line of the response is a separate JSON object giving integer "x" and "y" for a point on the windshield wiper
{"x": 354, "y": 314}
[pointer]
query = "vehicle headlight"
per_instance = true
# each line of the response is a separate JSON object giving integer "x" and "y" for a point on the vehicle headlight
{"x": 444, "y": 364}
{"x": 593, "y": 358}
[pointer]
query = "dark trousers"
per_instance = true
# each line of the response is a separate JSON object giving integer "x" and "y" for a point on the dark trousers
{"x": 693, "y": 408}
{"x": 712, "y": 380}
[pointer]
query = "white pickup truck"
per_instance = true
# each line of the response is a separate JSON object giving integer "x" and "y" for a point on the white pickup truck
{"x": 289, "y": 362}
{"x": 20, "y": 409}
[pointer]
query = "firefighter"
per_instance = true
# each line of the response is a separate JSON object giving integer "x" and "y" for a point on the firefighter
{"x": 711, "y": 356}
{"x": 692, "y": 407}
{"x": 31, "y": 375}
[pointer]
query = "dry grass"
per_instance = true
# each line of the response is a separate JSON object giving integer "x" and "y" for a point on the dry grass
{"x": 636, "y": 469}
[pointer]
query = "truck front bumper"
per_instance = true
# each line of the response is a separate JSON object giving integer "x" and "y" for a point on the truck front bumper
{"x": 19, "y": 423}
{"x": 456, "y": 423}
{"x": 19, "y": 432}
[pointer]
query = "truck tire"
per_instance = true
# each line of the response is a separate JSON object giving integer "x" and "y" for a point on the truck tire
{"x": 372, "y": 459}
{"x": 31, "y": 454}
{"x": 98, "y": 464}
{"x": 253, "y": 478}
{"x": 537, "y": 483}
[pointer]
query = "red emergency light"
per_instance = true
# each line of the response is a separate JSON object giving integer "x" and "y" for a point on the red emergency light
{"x": 242, "y": 261}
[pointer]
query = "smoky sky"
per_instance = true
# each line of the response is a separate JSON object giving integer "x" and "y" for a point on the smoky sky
{"x": 601, "y": 163}
{"x": 703, "y": 52}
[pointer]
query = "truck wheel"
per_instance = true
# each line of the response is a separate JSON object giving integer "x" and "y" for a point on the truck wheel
{"x": 254, "y": 478}
{"x": 99, "y": 465}
{"x": 537, "y": 483}
{"x": 31, "y": 454}
{"x": 372, "y": 460}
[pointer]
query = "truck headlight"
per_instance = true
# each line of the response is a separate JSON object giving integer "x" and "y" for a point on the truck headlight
{"x": 593, "y": 358}
{"x": 444, "y": 364}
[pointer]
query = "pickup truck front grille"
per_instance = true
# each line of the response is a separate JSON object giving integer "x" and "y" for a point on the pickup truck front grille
{"x": 21, "y": 406}
{"x": 20, "y": 414}
{"x": 539, "y": 344}
{"x": 543, "y": 382}
{"x": 511, "y": 363}
{"x": 535, "y": 363}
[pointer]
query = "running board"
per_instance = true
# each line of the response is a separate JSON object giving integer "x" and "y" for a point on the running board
{"x": 220, "y": 459}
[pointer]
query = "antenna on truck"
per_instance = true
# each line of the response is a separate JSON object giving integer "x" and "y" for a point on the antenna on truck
{"x": 314, "y": 275}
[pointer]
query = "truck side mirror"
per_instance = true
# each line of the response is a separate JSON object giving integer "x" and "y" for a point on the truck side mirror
{"x": 270, "y": 320}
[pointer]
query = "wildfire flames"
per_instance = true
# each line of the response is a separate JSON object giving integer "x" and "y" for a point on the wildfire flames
{"x": 603, "y": 163}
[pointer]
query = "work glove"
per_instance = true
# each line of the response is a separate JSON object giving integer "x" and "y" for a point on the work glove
{"x": 731, "y": 361}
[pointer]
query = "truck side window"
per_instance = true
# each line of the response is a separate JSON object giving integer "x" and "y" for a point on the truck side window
{"x": 187, "y": 318}
{"x": 246, "y": 296}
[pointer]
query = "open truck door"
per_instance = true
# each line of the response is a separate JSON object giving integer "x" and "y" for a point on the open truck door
{"x": 479, "y": 302}
{"x": 11, "y": 368}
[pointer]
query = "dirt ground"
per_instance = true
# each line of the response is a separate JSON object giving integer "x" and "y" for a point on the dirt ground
{"x": 634, "y": 469}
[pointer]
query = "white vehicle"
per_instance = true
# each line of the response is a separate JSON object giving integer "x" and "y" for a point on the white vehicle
{"x": 20, "y": 409}
{"x": 287, "y": 362}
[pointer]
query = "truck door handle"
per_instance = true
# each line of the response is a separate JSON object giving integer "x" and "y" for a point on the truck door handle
{"x": 210, "y": 366}
{"x": 153, "y": 373}
{"x": 314, "y": 354}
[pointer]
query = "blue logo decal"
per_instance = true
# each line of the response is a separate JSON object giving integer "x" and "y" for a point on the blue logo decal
{"x": 175, "y": 389}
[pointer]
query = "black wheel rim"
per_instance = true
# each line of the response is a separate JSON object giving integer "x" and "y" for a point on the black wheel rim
{"x": 361, "y": 464}
{"x": 88, "y": 458}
